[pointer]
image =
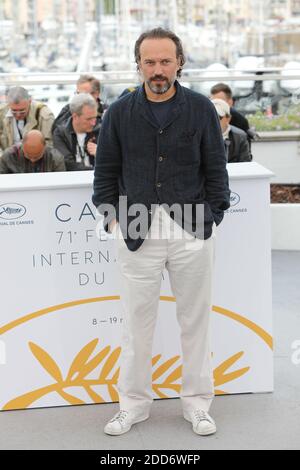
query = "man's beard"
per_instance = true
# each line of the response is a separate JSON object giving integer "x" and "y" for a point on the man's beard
{"x": 158, "y": 88}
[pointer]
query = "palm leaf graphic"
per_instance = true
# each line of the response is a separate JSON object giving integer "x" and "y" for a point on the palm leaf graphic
{"x": 164, "y": 367}
{"x": 158, "y": 392}
{"x": 168, "y": 382}
{"x": 81, "y": 358}
{"x": 46, "y": 362}
{"x": 220, "y": 377}
{"x": 111, "y": 389}
{"x": 94, "y": 396}
{"x": 24, "y": 401}
{"x": 109, "y": 364}
{"x": 83, "y": 364}
{"x": 93, "y": 363}
{"x": 175, "y": 375}
{"x": 70, "y": 398}
{"x": 220, "y": 392}
{"x": 113, "y": 393}
{"x": 155, "y": 359}
{"x": 157, "y": 388}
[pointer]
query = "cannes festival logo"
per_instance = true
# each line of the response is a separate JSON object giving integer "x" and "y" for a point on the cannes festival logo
{"x": 96, "y": 371}
{"x": 11, "y": 211}
{"x": 234, "y": 199}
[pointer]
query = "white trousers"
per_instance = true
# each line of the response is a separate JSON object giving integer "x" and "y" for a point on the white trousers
{"x": 189, "y": 262}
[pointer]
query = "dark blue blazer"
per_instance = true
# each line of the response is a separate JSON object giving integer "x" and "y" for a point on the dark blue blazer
{"x": 183, "y": 162}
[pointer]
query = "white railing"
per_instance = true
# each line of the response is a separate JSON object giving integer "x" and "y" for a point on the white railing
{"x": 131, "y": 76}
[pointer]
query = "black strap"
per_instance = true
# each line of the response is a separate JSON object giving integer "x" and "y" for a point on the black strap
{"x": 19, "y": 130}
{"x": 79, "y": 149}
{"x": 37, "y": 113}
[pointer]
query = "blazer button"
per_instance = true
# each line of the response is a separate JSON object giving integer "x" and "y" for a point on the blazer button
{"x": 160, "y": 131}
{"x": 158, "y": 185}
{"x": 161, "y": 159}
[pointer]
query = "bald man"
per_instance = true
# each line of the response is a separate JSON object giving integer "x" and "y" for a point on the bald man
{"x": 31, "y": 156}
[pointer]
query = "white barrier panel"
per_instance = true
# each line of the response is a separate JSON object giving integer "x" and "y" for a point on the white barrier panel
{"x": 60, "y": 312}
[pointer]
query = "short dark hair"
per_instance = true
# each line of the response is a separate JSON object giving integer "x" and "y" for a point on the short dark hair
{"x": 161, "y": 33}
{"x": 90, "y": 79}
{"x": 221, "y": 87}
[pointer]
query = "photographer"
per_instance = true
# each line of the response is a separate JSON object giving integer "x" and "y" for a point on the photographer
{"x": 76, "y": 139}
{"x": 235, "y": 139}
{"x": 84, "y": 84}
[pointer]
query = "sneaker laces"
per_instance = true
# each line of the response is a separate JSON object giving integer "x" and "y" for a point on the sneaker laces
{"x": 120, "y": 416}
{"x": 201, "y": 415}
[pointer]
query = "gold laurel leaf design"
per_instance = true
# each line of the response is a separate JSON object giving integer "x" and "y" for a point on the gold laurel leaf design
{"x": 168, "y": 383}
{"x": 229, "y": 362}
{"x": 164, "y": 367}
{"x": 113, "y": 393}
{"x": 158, "y": 392}
{"x": 232, "y": 376}
{"x": 220, "y": 377}
{"x": 158, "y": 388}
{"x": 92, "y": 364}
{"x": 49, "y": 364}
{"x": 81, "y": 358}
{"x": 70, "y": 398}
{"x": 155, "y": 359}
{"x": 111, "y": 386}
{"x": 175, "y": 375}
{"x": 52, "y": 368}
{"x": 109, "y": 364}
{"x": 115, "y": 377}
{"x": 46, "y": 361}
{"x": 93, "y": 395}
{"x": 24, "y": 401}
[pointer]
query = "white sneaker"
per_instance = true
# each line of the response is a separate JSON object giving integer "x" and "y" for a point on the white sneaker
{"x": 203, "y": 424}
{"x": 122, "y": 422}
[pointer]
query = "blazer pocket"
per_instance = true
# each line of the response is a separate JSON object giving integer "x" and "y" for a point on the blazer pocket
{"x": 188, "y": 148}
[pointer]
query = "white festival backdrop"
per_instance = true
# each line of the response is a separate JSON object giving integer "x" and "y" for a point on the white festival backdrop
{"x": 61, "y": 316}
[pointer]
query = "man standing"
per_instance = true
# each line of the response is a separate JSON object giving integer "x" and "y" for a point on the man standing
{"x": 159, "y": 146}
{"x": 20, "y": 115}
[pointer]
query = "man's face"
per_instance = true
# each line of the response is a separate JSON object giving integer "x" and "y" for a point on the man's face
{"x": 20, "y": 110}
{"x": 86, "y": 121}
{"x": 87, "y": 88}
{"x": 158, "y": 64}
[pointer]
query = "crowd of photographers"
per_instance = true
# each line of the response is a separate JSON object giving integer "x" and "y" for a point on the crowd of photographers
{"x": 33, "y": 140}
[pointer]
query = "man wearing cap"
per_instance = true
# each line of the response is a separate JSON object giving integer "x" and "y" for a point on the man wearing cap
{"x": 235, "y": 139}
